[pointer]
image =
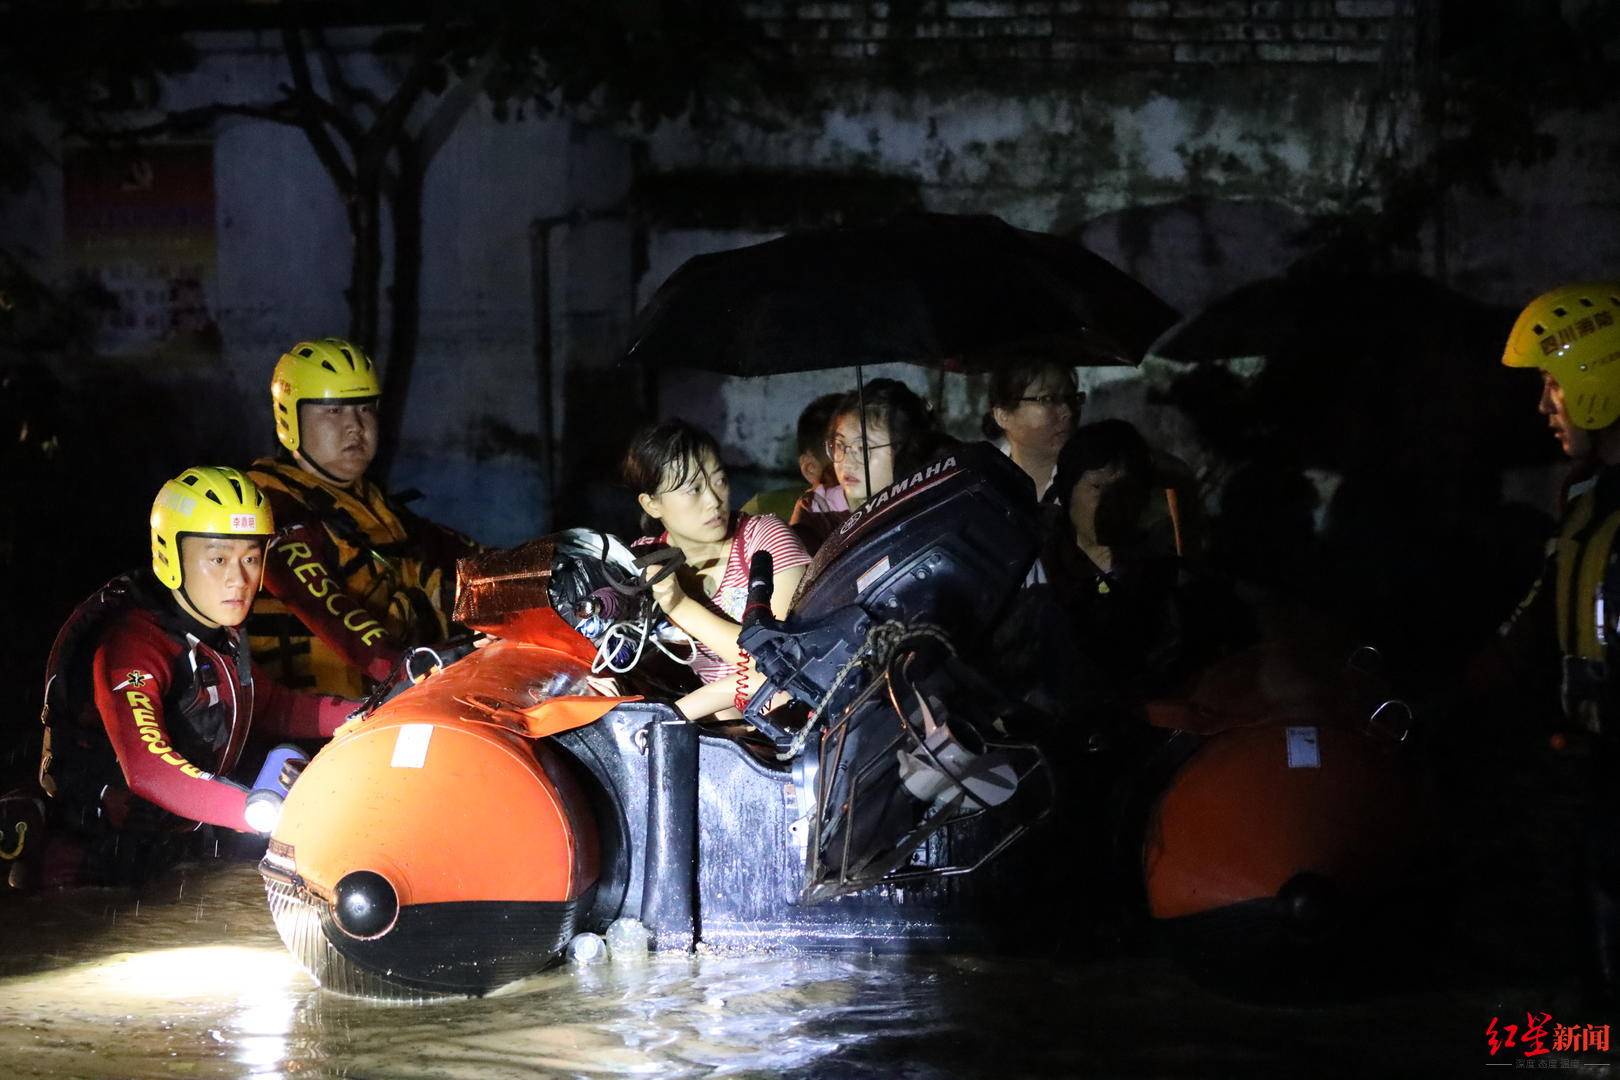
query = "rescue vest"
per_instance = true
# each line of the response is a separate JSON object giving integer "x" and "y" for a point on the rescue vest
{"x": 77, "y": 762}
{"x": 382, "y": 562}
{"x": 1587, "y": 584}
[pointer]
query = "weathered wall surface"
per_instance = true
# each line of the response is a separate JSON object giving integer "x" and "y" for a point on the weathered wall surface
{"x": 1550, "y": 222}
{"x": 1189, "y": 142}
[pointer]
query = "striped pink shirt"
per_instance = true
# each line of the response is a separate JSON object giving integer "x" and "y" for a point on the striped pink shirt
{"x": 750, "y": 533}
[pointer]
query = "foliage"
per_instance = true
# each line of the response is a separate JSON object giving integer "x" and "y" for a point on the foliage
{"x": 610, "y": 61}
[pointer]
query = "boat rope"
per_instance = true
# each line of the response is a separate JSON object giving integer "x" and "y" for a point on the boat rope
{"x": 883, "y": 640}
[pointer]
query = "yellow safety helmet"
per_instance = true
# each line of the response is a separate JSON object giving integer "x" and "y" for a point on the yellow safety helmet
{"x": 1573, "y": 334}
{"x": 206, "y": 501}
{"x": 329, "y": 369}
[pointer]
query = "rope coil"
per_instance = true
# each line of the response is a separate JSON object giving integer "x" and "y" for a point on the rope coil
{"x": 882, "y": 641}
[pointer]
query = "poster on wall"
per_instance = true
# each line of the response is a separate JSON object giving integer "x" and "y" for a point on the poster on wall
{"x": 139, "y": 224}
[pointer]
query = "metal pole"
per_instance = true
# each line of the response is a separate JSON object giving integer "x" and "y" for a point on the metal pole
{"x": 544, "y": 356}
{"x": 866, "y": 453}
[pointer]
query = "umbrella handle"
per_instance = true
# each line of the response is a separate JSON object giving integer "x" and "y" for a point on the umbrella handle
{"x": 1172, "y": 503}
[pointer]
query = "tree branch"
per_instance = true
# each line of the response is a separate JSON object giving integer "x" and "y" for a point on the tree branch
{"x": 453, "y": 106}
{"x": 185, "y": 120}
{"x": 351, "y": 94}
{"x": 398, "y": 109}
{"x": 313, "y": 122}
{"x": 345, "y": 125}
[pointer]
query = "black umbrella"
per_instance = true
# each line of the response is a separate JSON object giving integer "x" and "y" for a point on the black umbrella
{"x": 1359, "y": 363}
{"x": 960, "y": 292}
{"x": 1315, "y": 307}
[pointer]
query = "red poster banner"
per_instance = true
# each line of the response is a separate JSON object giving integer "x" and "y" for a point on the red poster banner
{"x": 141, "y": 224}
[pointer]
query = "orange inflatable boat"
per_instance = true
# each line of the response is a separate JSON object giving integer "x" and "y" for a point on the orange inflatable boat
{"x": 454, "y": 838}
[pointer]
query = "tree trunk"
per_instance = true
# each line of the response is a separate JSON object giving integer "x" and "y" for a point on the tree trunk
{"x": 404, "y": 297}
{"x": 365, "y": 272}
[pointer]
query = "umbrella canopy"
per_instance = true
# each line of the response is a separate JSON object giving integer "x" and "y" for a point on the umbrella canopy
{"x": 1316, "y": 308}
{"x": 1358, "y": 364}
{"x": 960, "y": 292}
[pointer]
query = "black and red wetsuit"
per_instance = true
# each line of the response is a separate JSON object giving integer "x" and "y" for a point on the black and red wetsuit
{"x": 148, "y": 712}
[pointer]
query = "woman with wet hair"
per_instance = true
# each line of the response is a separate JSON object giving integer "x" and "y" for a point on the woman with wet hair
{"x": 674, "y": 468}
{"x": 1034, "y": 407}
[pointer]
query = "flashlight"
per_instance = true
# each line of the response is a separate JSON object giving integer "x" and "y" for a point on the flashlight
{"x": 263, "y": 809}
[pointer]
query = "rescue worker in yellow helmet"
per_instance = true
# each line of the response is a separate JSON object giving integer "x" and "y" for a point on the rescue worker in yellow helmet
{"x": 151, "y": 691}
{"x": 352, "y": 578}
{"x": 1572, "y": 335}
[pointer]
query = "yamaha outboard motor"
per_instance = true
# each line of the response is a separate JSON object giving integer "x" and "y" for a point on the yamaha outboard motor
{"x": 909, "y": 741}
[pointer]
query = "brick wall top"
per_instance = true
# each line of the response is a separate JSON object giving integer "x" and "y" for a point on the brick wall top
{"x": 1057, "y": 35}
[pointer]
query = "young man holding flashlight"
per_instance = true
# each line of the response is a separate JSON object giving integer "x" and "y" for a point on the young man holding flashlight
{"x": 150, "y": 692}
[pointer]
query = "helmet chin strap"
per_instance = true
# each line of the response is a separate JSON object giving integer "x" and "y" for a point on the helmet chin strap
{"x": 191, "y": 606}
{"x": 313, "y": 466}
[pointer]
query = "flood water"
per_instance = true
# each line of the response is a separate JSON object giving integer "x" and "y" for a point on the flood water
{"x": 189, "y": 979}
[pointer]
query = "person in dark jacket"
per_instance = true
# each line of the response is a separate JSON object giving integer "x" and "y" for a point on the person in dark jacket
{"x": 1144, "y": 619}
{"x": 1034, "y": 407}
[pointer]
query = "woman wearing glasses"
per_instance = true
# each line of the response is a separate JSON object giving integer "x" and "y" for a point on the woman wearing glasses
{"x": 1034, "y": 408}
{"x": 900, "y": 436}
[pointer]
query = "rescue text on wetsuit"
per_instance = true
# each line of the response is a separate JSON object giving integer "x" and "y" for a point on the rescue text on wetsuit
{"x": 139, "y": 675}
{"x": 347, "y": 564}
{"x": 298, "y": 571}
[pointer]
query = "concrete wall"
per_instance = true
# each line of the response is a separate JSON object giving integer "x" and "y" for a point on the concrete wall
{"x": 1139, "y": 128}
{"x": 1188, "y": 142}
{"x": 1191, "y": 143}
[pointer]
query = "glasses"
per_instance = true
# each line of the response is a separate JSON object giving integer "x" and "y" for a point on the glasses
{"x": 838, "y": 449}
{"x": 1052, "y": 401}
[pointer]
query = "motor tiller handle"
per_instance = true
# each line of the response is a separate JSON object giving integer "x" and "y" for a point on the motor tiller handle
{"x": 761, "y": 584}
{"x": 761, "y": 580}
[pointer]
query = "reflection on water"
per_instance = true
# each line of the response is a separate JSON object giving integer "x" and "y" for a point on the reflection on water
{"x": 191, "y": 980}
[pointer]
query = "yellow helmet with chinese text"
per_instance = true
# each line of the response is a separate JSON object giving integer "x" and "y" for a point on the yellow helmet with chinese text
{"x": 1573, "y": 334}
{"x": 209, "y": 500}
{"x": 327, "y": 369}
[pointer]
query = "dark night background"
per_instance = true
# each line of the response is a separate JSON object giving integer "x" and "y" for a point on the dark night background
{"x": 1347, "y": 200}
